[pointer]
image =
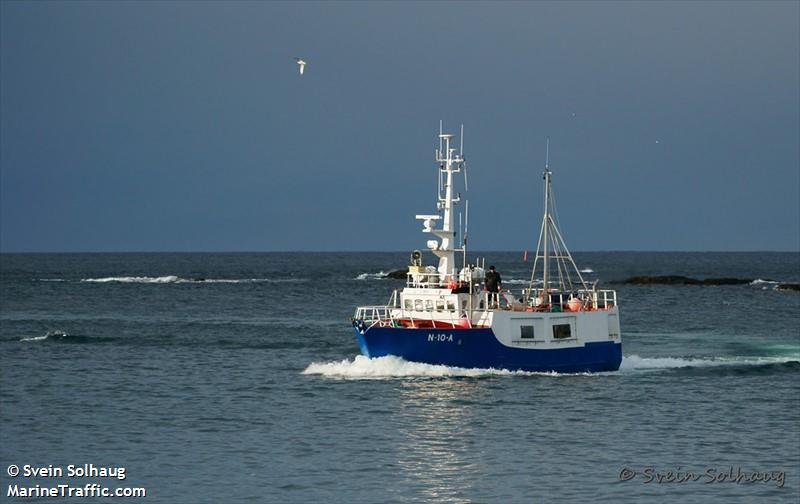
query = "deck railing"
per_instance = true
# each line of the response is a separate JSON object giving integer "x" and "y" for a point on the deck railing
{"x": 602, "y": 299}
{"x": 389, "y": 314}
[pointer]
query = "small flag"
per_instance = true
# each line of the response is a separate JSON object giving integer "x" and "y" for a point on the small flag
{"x": 525, "y": 256}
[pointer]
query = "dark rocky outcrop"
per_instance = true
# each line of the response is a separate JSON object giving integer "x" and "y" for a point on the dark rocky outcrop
{"x": 682, "y": 280}
{"x": 397, "y": 274}
{"x": 788, "y": 287}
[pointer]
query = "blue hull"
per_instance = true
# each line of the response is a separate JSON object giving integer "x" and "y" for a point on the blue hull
{"x": 478, "y": 348}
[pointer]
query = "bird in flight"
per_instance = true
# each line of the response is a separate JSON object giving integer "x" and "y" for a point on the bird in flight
{"x": 302, "y": 64}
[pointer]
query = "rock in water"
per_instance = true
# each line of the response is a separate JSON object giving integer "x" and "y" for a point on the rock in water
{"x": 666, "y": 279}
{"x": 397, "y": 274}
{"x": 682, "y": 280}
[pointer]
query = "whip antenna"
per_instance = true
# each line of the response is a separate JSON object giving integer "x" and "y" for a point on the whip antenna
{"x": 547, "y": 156}
{"x": 461, "y": 145}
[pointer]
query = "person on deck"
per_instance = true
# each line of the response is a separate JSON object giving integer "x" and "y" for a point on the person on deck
{"x": 493, "y": 284}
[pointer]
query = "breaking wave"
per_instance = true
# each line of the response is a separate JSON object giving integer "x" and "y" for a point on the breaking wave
{"x": 587, "y": 270}
{"x": 522, "y": 281}
{"x": 132, "y": 279}
{"x": 372, "y": 276}
{"x": 174, "y": 279}
{"x": 759, "y": 281}
{"x": 57, "y": 334}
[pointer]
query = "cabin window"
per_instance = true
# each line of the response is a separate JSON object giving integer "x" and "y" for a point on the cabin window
{"x": 463, "y": 304}
{"x": 480, "y": 306}
{"x": 418, "y": 304}
{"x": 526, "y": 331}
{"x": 408, "y": 304}
{"x": 429, "y": 305}
{"x": 451, "y": 306}
{"x": 562, "y": 331}
{"x": 439, "y": 305}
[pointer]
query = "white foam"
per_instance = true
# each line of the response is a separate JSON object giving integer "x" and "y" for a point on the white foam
{"x": 174, "y": 279}
{"x": 759, "y": 281}
{"x": 35, "y": 338}
{"x": 131, "y": 279}
{"x": 371, "y": 276}
{"x": 517, "y": 281}
{"x": 58, "y": 333}
{"x": 395, "y": 367}
{"x": 52, "y": 280}
{"x": 243, "y": 280}
{"x": 587, "y": 270}
{"x": 635, "y": 362}
{"x": 390, "y": 366}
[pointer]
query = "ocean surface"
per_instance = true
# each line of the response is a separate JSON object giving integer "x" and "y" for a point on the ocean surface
{"x": 248, "y": 387}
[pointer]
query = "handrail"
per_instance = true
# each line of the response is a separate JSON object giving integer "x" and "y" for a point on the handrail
{"x": 603, "y": 299}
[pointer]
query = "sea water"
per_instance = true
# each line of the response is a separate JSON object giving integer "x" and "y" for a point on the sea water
{"x": 236, "y": 378}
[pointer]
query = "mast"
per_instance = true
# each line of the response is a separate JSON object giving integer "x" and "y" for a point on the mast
{"x": 551, "y": 245}
{"x": 449, "y": 162}
{"x": 546, "y": 220}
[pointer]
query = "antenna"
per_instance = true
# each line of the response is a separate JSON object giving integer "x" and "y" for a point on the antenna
{"x": 460, "y": 228}
{"x": 439, "y": 191}
{"x": 464, "y": 161}
{"x": 440, "y": 138}
{"x": 461, "y": 145}
{"x": 466, "y": 222}
{"x": 464, "y": 242}
{"x": 547, "y": 156}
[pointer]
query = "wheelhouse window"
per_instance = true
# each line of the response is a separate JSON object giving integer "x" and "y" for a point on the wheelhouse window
{"x": 418, "y": 304}
{"x": 408, "y": 304}
{"x": 451, "y": 306}
{"x": 429, "y": 305}
{"x": 439, "y": 305}
{"x": 526, "y": 331}
{"x": 562, "y": 331}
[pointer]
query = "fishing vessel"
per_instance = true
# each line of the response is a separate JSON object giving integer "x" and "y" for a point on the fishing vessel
{"x": 444, "y": 315}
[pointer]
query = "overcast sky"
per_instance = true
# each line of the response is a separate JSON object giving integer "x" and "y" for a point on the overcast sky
{"x": 180, "y": 126}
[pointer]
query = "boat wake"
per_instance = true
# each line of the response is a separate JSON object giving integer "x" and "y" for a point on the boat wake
{"x": 395, "y": 367}
{"x": 636, "y": 363}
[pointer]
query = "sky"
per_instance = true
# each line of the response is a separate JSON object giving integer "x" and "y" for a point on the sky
{"x": 181, "y": 126}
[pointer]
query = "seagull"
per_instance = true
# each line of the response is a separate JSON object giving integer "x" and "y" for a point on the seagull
{"x": 301, "y": 63}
